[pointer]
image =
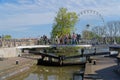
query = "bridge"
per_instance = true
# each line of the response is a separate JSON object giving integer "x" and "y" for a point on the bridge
{"x": 49, "y": 59}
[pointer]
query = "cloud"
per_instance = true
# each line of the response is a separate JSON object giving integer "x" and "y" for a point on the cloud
{"x": 25, "y": 1}
{"x": 37, "y": 12}
{"x": 27, "y": 19}
{"x": 23, "y": 15}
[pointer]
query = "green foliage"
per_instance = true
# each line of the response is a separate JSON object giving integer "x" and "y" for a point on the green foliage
{"x": 64, "y": 22}
{"x": 118, "y": 39}
{"x": 89, "y": 35}
{"x": 7, "y": 36}
{"x": 67, "y": 51}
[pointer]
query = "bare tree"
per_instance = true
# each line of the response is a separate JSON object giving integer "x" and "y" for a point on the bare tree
{"x": 113, "y": 30}
{"x": 101, "y": 32}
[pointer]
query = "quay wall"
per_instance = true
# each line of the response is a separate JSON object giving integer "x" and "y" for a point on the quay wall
{"x": 8, "y": 52}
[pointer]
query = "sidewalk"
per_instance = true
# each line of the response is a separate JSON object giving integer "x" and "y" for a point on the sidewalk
{"x": 103, "y": 69}
{"x": 8, "y": 67}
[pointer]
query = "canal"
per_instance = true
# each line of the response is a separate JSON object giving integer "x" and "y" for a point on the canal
{"x": 48, "y": 73}
{"x": 52, "y": 73}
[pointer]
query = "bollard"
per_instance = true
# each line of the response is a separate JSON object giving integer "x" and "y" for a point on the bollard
{"x": 17, "y": 61}
{"x": 94, "y": 62}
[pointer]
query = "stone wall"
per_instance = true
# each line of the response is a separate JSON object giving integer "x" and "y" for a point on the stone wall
{"x": 9, "y": 52}
{"x": 5, "y": 43}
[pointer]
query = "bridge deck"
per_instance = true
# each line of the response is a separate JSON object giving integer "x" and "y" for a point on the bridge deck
{"x": 47, "y": 46}
{"x": 114, "y": 46}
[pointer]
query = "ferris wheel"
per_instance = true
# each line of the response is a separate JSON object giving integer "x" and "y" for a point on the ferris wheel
{"x": 92, "y": 12}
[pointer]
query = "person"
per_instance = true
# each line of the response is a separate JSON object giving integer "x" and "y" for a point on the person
{"x": 69, "y": 39}
{"x": 46, "y": 39}
{"x": 57, "y": 40}
{"x": 41, "y": 40}
{"x": 73, "y": 38}
{"x": 66, "y": 39}
{"x": 78, "y": 38}
{"x": 60, "y": 38}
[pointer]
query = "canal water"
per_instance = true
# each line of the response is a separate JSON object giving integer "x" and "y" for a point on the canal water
{"x": 49, "y": 73}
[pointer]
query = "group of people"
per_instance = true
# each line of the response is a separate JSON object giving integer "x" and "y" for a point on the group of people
{"x": 44, "y": 40}
{"x": 68, "y": 39}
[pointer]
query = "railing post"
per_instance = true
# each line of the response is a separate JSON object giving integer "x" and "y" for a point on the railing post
{"x": 94, "y": 51}
{"x": 82, "y": 52}
{"x": 61, "y": 58}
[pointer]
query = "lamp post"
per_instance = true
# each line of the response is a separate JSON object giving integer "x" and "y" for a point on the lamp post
{"x": 87, "y": 32}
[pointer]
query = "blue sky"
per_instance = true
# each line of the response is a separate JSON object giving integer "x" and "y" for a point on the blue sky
{"x": 33, "y": 18}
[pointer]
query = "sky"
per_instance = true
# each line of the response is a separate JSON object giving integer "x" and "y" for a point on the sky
{"x": 34, "y": 18}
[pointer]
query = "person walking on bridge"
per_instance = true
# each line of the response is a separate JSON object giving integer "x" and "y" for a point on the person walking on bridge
{"x": 73, "y": 38}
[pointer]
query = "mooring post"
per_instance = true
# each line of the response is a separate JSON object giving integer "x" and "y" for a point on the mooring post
{"x": 94, "y": 62}
{"x": 17, "y": 62}
{"x": 89, "y": 60}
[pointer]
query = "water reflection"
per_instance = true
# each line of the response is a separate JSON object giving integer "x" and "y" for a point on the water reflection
{"x": 49, "y": 73}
